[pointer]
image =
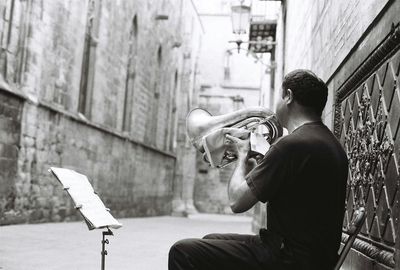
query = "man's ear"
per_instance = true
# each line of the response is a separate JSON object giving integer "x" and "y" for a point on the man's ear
{"x": 289, "y": 96}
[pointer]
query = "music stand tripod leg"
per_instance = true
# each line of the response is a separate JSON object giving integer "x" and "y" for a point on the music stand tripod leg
{"x": 103, "y": 247}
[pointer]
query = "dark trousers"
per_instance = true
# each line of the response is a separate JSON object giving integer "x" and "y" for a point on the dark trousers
{"x": 222, "y": 251}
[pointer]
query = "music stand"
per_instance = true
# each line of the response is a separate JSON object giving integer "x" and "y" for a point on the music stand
{"x": 103, "y": 247}
{"x": 88, "y": 203}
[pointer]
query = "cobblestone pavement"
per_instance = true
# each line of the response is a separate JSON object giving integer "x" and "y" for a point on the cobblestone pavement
{"x": 141, "y": 244}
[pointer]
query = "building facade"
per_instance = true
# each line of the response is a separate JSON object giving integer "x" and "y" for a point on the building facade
{"x": 94, "y": 86}
{"x": 354, "y": 47}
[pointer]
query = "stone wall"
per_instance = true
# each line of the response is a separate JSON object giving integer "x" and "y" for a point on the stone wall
{"x": 10, "y": 127}
{"x": 319, "y": 35}
{"x": 120, "y": 170}
{"x": 130, "y": 56}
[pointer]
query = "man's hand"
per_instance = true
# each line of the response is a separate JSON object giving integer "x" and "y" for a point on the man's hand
{"x": 240, "y": 196}
{"x": 241, "y": 146}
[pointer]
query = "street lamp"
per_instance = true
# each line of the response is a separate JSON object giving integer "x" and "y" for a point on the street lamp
{"x": 259, "y": 44}
{"x": 240, "y": 16}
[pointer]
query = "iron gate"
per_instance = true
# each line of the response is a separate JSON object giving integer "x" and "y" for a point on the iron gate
{"x": 367, "y": 117}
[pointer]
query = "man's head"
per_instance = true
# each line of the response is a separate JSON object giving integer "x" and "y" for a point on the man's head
{"x": 302, "y": 92}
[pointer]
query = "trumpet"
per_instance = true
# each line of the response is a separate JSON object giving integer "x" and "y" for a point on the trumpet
{"x": 200, "y": 123}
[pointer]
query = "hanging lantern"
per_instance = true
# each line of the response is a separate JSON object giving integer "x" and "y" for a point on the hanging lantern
{"x": 240, "y": 16}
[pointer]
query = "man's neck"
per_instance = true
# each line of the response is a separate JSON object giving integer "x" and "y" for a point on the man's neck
{"x": 300, "y": 120}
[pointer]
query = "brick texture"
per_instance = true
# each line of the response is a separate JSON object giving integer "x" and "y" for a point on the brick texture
{"x": 10, "y": 126}
{"x": 42, "y": 47}
{"x": 320, "y": 34}
{"x": 120, "y": 171}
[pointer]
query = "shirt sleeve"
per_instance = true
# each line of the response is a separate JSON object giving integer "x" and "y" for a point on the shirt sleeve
{"x": 266, "y": 178}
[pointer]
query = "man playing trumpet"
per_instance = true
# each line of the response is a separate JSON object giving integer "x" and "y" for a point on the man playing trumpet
{"x": 302, "y": 177}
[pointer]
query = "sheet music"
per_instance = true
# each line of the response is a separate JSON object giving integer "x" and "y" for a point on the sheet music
{"x": 85, "y": 199}
{"x": 258, "y": 143}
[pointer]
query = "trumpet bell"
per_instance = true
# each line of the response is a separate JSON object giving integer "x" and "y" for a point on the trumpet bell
{"x": 197, "y": 122}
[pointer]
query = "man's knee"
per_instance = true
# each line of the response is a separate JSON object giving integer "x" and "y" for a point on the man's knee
{"x": 188, "y": 254}
{"x": 176, "y": 256}
{"x": 211, "y": 236}
{"x": 181, "y": 247}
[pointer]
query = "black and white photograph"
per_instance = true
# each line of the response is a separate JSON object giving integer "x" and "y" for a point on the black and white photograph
{"x": 199, "y": 134}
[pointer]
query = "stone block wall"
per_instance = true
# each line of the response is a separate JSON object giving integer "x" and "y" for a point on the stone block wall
{"x": 319, "y": 35}
{"x": 121, "y": 171}
{"x": 10, "y": 127}
{"x": 136, "y": 65}
{"x": 211, "y": 188}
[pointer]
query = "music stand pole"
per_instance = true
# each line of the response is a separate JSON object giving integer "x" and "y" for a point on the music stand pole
{"x": 103, "y": 247}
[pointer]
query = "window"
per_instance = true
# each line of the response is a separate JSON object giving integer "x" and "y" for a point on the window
{"x": 130, "y": 76}
{"x": 6, "y": 26}
{"x": 158, "y": 83}
{"x": 88, "y": 59}
{"x": 174, "y": 115}
{"x": 159, "y": 56}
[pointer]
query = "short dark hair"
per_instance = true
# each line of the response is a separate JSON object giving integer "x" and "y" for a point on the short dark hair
{"x": 308, "y": 90}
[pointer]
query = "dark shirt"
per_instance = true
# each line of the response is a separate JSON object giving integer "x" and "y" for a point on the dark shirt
{"x": 303, "y": 178}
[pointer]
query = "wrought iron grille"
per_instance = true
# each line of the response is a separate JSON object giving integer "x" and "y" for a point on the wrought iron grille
{"x": 367, "y": 124}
